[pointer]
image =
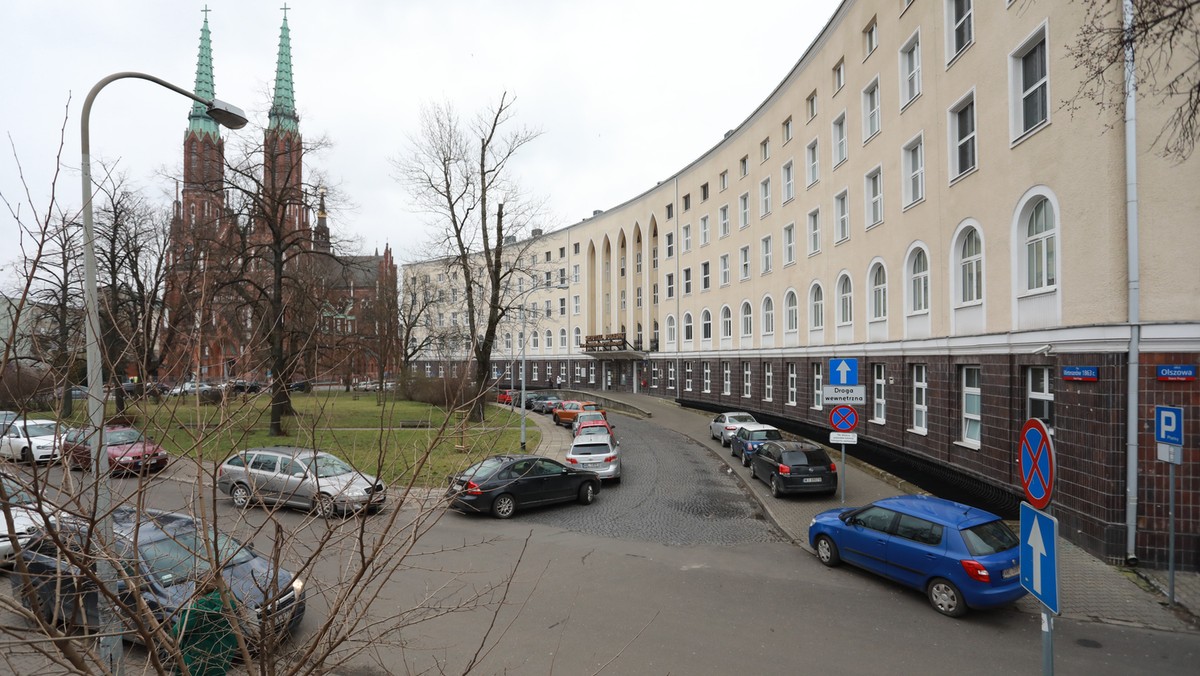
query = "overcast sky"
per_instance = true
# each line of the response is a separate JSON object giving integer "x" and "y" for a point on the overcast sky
{"x": 626, "y": 92}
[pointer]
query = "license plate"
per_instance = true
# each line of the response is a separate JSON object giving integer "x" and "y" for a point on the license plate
{"x": 1011, "y": 572}
{"x": 812, "y": 480}
{"x": 457, "y": 487}
{"x": 589, "y": 465}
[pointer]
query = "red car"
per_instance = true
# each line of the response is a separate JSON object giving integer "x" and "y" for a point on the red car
{"x": 604, "y": 425}
{"x": 129, "y": 451}
{"x": 505, "y": 397}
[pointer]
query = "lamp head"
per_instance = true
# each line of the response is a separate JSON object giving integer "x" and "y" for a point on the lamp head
{"x": 227, "y": 114}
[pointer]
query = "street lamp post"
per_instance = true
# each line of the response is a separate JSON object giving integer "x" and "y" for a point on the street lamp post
{"x": 230, "y": 116}
{"x": 524, "y": 339}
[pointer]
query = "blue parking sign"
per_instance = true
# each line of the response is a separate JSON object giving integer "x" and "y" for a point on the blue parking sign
{"x": 1168, "y": 425}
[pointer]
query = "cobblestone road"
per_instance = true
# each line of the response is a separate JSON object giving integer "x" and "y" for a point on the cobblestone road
{"x": 672, "y": 491}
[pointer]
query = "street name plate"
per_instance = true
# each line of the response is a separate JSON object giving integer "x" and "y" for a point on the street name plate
{"x": 844, "y": 394}
{"x": 843, "y": 437}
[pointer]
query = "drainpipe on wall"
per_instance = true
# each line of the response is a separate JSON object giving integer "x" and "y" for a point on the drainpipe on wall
{"x": 1132, "y": 422}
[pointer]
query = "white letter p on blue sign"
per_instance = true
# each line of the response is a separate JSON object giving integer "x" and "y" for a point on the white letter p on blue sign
{"x": 1168, "y": 425}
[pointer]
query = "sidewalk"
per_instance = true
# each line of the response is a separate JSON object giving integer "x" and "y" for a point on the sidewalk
{"x": 1089, "y": 588}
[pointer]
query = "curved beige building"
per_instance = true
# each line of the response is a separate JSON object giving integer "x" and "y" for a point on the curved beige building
{"x": 914, "y": 194}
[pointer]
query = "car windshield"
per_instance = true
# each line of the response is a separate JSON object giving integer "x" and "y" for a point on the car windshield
{"x": 590, "y": 449}
{"x": 484, "y": 468}
{"x": 989, "y": 538}
{"x": 40, "y": 430}
{"x": 744, "y": 418}
{"x": 766, "y": 435}
{"x": 326, "y": 466}
{"x": 122, "y": 437}
{"x": 183, "y": 555}
{"x": 805, "y": 458}
{"x": 16, "y": 494}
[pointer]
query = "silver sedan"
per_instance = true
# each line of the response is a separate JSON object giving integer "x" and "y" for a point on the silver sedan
{"x": 725, "y": 425}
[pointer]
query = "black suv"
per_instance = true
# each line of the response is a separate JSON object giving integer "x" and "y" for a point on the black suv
{"x": 166, "y": 563}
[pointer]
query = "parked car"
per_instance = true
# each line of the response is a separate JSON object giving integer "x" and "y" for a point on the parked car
{"x": 129, "y": 451}
{"x": 26, "y": 516}
{"x": 545, "y": 404}
{"x": 39, "y": 440}
{"x": 566, "y": 414}
{"x": 367, "y": 386}
{"x": 959, "y": 556}
{"x": 794, "y": 467}
{"x": 168, "y": 560}
{"x": 302, "y": 385}
{"x": 502, "y": 484}
{"x": 299, "y": 477}
{"x": 190, "y": 388}
{"x": 241, "y": 386}
{"x": 749, "y": 437}
{"x": 725, "y": 425}
{"x": 5, "y": 418}
{"x": 598, "y": 452}
{"x": 532, "y": 398}
{"x": 504, "y": 397}
{"x": 585, "y": 422}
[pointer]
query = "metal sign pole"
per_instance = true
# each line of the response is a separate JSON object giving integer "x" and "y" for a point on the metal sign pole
{"x": 1048, "y": 626}
{"x": 844, "y": 477}
{"x": 1171, "y": 537}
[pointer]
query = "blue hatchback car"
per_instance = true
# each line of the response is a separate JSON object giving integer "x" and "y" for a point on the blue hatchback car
{"x": 960, "y": 556}
{"x": 749, "y": 437}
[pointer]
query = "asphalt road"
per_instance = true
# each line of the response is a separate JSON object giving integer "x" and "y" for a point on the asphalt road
{"x": 674, "y": 571}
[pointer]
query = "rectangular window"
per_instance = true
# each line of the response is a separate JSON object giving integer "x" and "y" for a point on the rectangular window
{"x": 727, "y": 382}
{"x": 723, "y": 220}
{"x": 839, "y": 76}
{"x": 687, "y": 201}
{"x": 687, "y": 376}
{"x": 960, "y": 30}
{"x": 920, "y": 398}
{"x": 818, "y": 385}
{"x": 724, "y": 180}
{"x": 1041, "y": 396}
{"x": 871, "y": 37}
{"x": 841, "y": 216}
{"x": 789, "y": 182}
{"x": 576, "y": 248}
{"x": 813, "y": 162}
{"x": 687, "y": 281}
{"x": 670, "y": 211}
{"x": 724, "y": 269}
{"x": 962, "y": 136}
{"x": 870, "y": 101}
{"x": 766, "y": 254}
{"x": 839, "y": 140}
{"x": 744, "y": 210}
{"x": 575, "y": 305}
{"x": 575, "y": 274}
{"x": 671, "y": 375}
{"x": 686, "y": 234}
{"x": 1033, "y": 109}
{"x": 654, "y": 370}
{"x": 704, "y": 193}
{"x": 873, "y": 187}
{"x": 670, "y": 241}
{"x": 706, "y": 375}
{"x": 910, "y": 70}
{"x": 670, "y": 285}
{"x": 746, "y": 379}
{"x": 768, "y": 382}
{"x": 744, "y": 263}
{"x": 639, "y": 296}
{"x": 791, "y": 384}
{"x": 814, "y": 231}
{"x": 810, "y": 105}
{"x": 705, "y": 276}
{"x": 764, "y": 197}
{"x": 789, "y": 244}
{"x": 914, "y": 170}
{"x": 592, "y": 373}
{"x": 787, "y": 130}
{"x": 970, "y": 381}
{"x": 744, "y": 166}
{"x": 703, "y": 230}
{"x": 764, "y": 150}
{"x": 879, "y": 392}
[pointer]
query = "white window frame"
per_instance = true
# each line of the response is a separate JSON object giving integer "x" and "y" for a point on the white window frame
{"x": 1041, "y": 248}
{"x": 670, "y": 248}
{"x": 764, "y": 197}
{"x": 920, "y": 398}
{"x": 872, "y": 123}
{"x": 788, "y": 176}
{"x": 959, "y": 25}
{"x": 845, "y": 300}
{"x": 1039, "y": 387}
{"x": 705, "y": 276}
{"x": 765, "y": 250}
{"x": 814, "y": 231}
{"x": 971, "y": 394}
{"x": 724, "y": 269}
{"x": 787, "y": 130}
{"x": 670, "y": 280}
{"x": 913, "y": 162}
{"x": 726, "y": 322}
{"x": 727, "y": 382}
{"x": 879, "y": 290}
{"x": 816, "y": 307}
{"x": 918, "y": 282}
{"x": 744, "y": 263}
{"x": 970, "y": 267}
{"x": 879, "y": 393}
{"x": 744, "y": 210}
{"x": 704, "y": 230}
{"x": 687, "y": 281}
{"x": 706, "y": 329}
{"x": 873, "y": 197}
{"x": 910, "y": 70}
{"x": 870, "y": 39}
{"x": 764, "y": 150}
{"x": 723, "y": 180}
{"x": 686, "y": 238}
{"x": 768, "y": 316}
{"x": 818, "y": 386}
{"x": 839, "y": 76}
{"x": 840, "y": 141}
{"x": 810, "y": 106}
{"x": 1021, "y": 91}
{"x": 791, "y": 311}
{"x": 723, "y": 221}
{"x": 791, "y": 384}
{"x": 963, "y": 143}
{"x": 812, "y": 163}
{"x": 687, "y": 376}
{"x": 768, "y": 381}
{"x": 746, "y": 317}
{"x": 746, "y": 379}
{"x": 706, "y": 377}
{"x": 841, "y": 216}
{"x": 789, "y": 244}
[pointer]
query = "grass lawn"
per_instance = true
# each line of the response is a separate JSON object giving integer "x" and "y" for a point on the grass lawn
{"x": 377, "y": 437}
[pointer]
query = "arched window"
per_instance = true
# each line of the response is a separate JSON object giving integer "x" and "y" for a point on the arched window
{"x": 747, "y": 319}
{"x": 1039, "y": 247}
{"x": 706, "y": 325}
{"x": 687, "y": 326}
{"x": 534, "y": 341}
{"x": 508, "y": 341}
{"x": 549, "y": 339}
{"x": 670, "y": 329}
{"x": 845, "y": 313}
{"x": 971, "y": 267}
{"x": 817, "y": 307}
{"x": 768, "y": 316}
{"x": 920, "y": 281}
{"x": 726, "y": 322}
{"x": 562, "y": 339}
{"x": 879, "y": 292}
{"x": 578, "y": 337}
{"x": 791, "y": 312}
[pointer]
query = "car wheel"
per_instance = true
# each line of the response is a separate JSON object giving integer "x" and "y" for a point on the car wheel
{"x": 827, "y": 552}
{"x": 24, "y": 454}
{"x": 587, "y": 493}
{"x": 504, "y": 506}
{"x": 745, "y": 460}
{"x": 726, "y": 442}
{"x": 324, "y": 505}
{"x": 556, "y": 421}
{"x": 732, "y": 452}
{"x": 775, "y": 492}
{"x": 946, "y": 598}
{"x": 710, "y": 434}
{"x": 241, "y": 495}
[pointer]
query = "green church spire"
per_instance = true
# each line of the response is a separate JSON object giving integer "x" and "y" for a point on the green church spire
{"x": 198, "y": 121}
{"x": 283, "y": 108}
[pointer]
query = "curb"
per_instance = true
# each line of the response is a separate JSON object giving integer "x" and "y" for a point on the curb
{"x": 1159, "y": 586}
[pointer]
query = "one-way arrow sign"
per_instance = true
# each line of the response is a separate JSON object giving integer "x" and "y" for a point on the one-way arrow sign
{"x": 843, "y": 371}
{"x": 1039, "y": 556}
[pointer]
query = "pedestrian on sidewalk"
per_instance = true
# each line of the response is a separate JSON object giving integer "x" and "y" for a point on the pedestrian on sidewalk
{"x": 558, "y": 382}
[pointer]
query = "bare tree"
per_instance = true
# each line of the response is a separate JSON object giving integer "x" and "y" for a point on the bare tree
{"x": 56, "y": 307}
{"x": 1165, "y": 38}
{"x": 457, "y": 174}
